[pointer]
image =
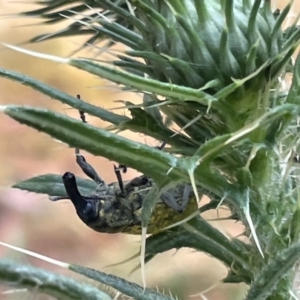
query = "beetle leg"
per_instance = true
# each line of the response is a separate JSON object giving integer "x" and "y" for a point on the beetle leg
{"x": 169, "y": 199}
{"x": 119, "y": 177}
{"x": 186, "y": 196}
{"x": 121, "y": 167}
{"x": 87, "y": 168}
{"x": 124, "y": 167}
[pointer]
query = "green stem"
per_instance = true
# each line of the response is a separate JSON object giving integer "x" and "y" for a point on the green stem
{"x": 58, "y": 286}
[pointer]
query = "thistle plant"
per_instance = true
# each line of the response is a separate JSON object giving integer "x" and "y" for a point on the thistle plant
{"x": 210, "y": 74}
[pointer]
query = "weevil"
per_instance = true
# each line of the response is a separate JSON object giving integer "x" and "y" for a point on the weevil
{"x": 116, "y": 207}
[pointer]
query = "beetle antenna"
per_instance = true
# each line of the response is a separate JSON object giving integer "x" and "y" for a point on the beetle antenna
{"x": 123, "y": 168}
{"x": 119, "y": 178}
{"x": 162, "y": 146}
{"x": 80, "y": 159}
{"x": 81, "y": 112}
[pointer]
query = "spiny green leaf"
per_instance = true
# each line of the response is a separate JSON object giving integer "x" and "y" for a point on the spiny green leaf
{"x": 126, "y": 287}
{"x": 295, "y": 225}
{"x": 266, "y": 281}
{"x": 143, "y": 84}
{"x": 294, "y": 92}
{"x": 52, "y": 185}
{"x": 55, "y": 12}
{"x": 64, "y": 33}
{"x": 153, "y": 111}
{"x": 143, "y": 122}
{"x": 54, "y": 285}
{"x": 200, "y": 235}
{"x": 63, "y": 97}
{"x": 97, "y": 141}
{"x": 184, "y": 116}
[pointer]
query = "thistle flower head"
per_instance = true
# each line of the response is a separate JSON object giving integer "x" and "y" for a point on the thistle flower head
{"x": 191, "y": 43}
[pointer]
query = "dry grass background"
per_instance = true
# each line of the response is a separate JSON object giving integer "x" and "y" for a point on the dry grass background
{"x": 53, "y": 229}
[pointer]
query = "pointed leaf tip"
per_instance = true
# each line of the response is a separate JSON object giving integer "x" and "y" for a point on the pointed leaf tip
{"x": 37, "y": 255}
{"x": 38, "y": 54}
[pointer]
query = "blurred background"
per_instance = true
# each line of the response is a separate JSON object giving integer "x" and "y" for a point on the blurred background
{"x": 32, "y": 222}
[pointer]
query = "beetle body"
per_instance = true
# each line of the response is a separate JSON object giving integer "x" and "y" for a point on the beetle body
{"x": 113, "y": 210}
